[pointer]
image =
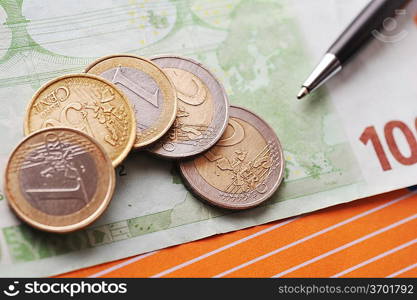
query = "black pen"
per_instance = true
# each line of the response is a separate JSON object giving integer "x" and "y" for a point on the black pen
{"x": 356, "y": 35}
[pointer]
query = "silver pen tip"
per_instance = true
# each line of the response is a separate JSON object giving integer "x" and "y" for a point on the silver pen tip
{"x": 303, "y": 92}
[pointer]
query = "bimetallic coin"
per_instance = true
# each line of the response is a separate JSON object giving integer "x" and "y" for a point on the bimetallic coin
{"x": 59, "y": 180}
{"x": 203, "y": 109}
{"x": 149, "y": 90}
{"x": 87, "y": 103}
{"x": 243, "y": 169}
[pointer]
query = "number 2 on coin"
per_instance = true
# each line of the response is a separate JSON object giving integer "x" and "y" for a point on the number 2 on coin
{"x": 122, "y": 170}
{"x": 370, "y": 134}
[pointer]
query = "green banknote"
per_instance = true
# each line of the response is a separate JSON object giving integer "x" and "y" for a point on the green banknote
{"x": 260, "y": 52}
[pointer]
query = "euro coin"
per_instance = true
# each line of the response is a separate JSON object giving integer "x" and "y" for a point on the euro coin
{"x": 87, "y": 103}
{"x": 59, "y": 180}
{"x": 243, "y": 169}
{"x": 203, "y": 109}
{"x": 148, "y": 89}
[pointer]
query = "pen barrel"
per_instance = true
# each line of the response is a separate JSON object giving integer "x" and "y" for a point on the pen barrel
{"x": 360, "y": 30}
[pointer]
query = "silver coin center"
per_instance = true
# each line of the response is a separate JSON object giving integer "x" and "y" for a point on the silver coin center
{"x": 58, "y": 177}
{"x": 141, "y": 90}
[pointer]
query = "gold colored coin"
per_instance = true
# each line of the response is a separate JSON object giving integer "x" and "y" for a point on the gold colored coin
{"x": 87, "y": 103}
{"x": 149, "y": 90}
{"x": 59, "y": 180}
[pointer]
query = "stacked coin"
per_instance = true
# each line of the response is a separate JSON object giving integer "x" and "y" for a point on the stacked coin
{"x": 203, "y": 109}
{"x": 60, "y": 178}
